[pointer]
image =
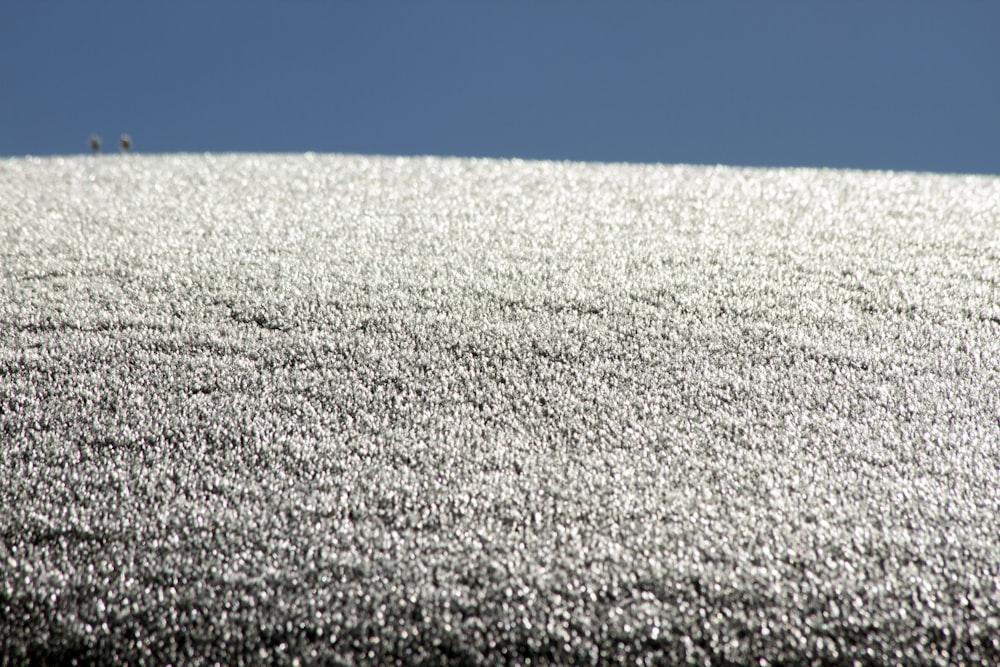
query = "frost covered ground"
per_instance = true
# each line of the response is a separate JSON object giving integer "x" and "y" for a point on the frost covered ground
{"x": 345, "y": 409}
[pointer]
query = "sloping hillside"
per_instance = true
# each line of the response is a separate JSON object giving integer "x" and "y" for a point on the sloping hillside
{"x": 340, "y": 409}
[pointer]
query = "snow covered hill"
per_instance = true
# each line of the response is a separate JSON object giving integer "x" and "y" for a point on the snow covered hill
{"x": 339, "y": 409}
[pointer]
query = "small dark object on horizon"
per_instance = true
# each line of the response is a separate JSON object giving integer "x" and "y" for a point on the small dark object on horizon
{"x": 126, "y": 143}
{"x": 95, "y": 144}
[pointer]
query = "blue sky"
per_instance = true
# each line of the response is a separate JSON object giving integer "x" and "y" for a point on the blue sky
{"x": 894, "y": 84}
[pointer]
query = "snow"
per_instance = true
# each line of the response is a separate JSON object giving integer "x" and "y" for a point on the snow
{"x": 342, "y": 409}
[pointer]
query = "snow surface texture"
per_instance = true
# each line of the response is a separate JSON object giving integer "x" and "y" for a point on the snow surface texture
{"x": 372, "y": 410}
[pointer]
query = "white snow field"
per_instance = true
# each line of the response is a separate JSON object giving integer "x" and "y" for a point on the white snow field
{"x": 321, "y": 409}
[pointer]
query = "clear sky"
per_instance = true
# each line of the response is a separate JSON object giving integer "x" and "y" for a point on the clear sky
{"x": 893, "y": 84}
